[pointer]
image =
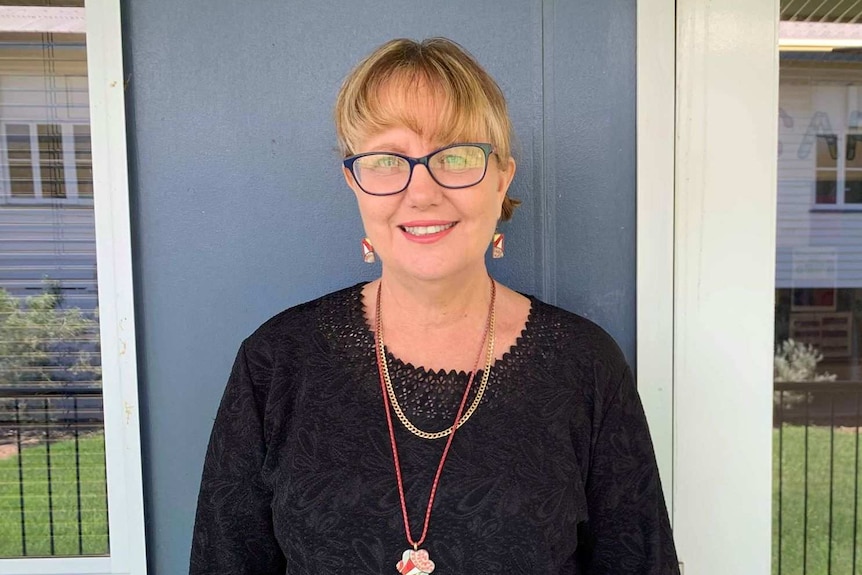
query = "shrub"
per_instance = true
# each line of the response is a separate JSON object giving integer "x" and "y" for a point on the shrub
{"x": 796, "y": 361}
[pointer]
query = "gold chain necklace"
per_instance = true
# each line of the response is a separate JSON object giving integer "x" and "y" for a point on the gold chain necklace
{"x": 489, "y": 356}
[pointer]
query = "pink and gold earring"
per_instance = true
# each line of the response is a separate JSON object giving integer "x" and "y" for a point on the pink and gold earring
{"x": 498, "y": 248}
{"x": 368, "y": 251}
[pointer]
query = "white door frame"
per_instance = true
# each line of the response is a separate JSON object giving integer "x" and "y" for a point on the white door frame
{"x": 706, "y": 253}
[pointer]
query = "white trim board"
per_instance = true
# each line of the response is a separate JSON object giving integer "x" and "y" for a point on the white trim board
{"x": 724, "y": 262}
{"x": 114, "y": 260}
{"x": 656, "y": 21}
{"x": 57, "y": 566}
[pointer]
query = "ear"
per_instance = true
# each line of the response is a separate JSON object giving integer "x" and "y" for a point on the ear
{"x": 349, "y": 179}
{"x": 507, "y": 174}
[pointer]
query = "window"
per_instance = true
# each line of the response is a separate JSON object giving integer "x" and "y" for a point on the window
{"x": 70, "y": 473}
{"x": 47, "y": 162}
{"x": 839, "y": 168}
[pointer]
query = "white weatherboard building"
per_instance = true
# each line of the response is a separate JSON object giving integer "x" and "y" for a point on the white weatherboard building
{"x": 46, "y": 180}
{"x": 819, "y": 225}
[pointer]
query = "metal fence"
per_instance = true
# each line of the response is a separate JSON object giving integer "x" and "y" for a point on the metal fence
{"x": 53, "y": 499}
{"x": 816, "y": 482}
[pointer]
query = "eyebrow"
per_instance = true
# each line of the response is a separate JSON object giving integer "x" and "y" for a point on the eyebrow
{"x": 388, "y": 147}
{"x": 392, "y": 147}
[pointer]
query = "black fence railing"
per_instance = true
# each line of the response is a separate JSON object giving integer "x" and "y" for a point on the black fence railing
{"x": 53, "y": 499}
{"x": 816, "y": 481}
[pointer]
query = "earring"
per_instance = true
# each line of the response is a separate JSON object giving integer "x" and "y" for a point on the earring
{"x": 368, "y": 251}
{"x": 498, "y": 248}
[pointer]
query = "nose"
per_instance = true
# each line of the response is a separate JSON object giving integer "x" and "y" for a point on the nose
{"x": 423, "y": 192}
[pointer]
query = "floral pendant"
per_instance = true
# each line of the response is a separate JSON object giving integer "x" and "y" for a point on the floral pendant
{"x": 415, "y": 563}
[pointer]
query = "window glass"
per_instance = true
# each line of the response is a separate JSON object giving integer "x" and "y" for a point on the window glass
{"x": 853, "y": 187}
{"x": 51, "y": 160}
{"x": 83, "y": 160}
{"x": 826, "y": 187}
{"x": 817, "y": 482}
{"x": 827, "y": 151}
{"x": 52, "y": 460}
{"x": 20, "y": 160}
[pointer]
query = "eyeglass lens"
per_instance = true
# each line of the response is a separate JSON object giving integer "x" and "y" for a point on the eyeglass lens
{"x": 455, "y": 167}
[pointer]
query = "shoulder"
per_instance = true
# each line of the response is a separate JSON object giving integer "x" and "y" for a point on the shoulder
{"x": 300, "y": 325}
{"x": 286, "y": 345}
{"x": 577, "y": 342}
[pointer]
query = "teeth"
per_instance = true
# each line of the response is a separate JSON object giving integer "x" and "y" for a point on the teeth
{"x": 426, "y": 230}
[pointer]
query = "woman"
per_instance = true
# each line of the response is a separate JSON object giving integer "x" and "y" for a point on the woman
{"x": 336, "y": 448}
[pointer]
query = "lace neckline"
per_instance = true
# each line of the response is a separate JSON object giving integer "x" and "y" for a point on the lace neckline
{"x": 510, "y": 358}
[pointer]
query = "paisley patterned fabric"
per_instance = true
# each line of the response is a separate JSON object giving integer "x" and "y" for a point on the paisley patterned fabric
{"x": 553, "y": 474}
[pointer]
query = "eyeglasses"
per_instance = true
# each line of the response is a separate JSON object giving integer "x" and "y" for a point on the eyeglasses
{"x": 453, "y": 167}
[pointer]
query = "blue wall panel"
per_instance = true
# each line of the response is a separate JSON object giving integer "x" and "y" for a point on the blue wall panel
{"x": 240, "y": 209}
{"x": 590, "y": 146}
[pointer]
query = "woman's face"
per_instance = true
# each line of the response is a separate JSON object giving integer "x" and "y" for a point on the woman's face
{"x": 429, "y": 232}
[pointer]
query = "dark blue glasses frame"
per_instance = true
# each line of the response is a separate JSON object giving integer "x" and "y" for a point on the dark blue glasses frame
{"x": 488, "y": 149}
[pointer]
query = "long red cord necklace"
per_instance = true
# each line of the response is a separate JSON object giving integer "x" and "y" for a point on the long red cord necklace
{"x": 415, "y": 561}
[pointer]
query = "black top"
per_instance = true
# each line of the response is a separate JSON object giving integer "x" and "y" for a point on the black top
{"x": 553, "y": 474}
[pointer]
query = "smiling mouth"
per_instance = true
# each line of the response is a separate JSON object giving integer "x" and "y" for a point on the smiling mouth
{"x": 426, "y": 230}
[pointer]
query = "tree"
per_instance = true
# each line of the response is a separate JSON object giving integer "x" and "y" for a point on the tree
{"x": 41, "y": 342}
{"x": 44, "y": 344}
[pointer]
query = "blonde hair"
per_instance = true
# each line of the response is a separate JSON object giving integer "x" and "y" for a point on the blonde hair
{"x": 397, "y": 78}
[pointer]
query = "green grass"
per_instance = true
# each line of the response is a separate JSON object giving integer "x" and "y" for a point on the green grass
{"x": 846, "y": 488}
{"x": 64, "y": 500}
